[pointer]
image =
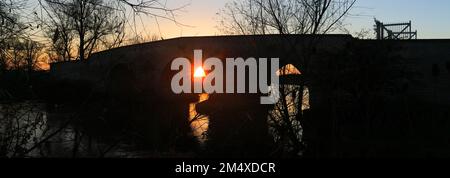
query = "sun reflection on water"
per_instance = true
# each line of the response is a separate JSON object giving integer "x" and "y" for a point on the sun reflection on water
{"x": 199, "y": 123}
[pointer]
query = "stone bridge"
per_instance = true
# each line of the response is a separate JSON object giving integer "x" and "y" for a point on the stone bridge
{"x": 340, "y": 69}
{"x": 149, "y": 63}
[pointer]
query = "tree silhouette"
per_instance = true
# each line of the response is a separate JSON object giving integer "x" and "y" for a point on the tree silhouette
{"x": 288, "y": 17}
{"x": 284, "y": 16}
{"x": 11, "y": 29}
{"x": 94, "y": 25}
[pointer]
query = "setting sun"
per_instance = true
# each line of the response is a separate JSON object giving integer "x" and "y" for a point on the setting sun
{"x": 199, "y": 72}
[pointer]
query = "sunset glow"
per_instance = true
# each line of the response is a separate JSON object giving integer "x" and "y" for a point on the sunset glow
{"x": 199, "y": 72}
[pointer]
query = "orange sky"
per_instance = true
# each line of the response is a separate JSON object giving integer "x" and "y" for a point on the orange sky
{"x": 427, "y": 17}
{"x": 199, "y": 17}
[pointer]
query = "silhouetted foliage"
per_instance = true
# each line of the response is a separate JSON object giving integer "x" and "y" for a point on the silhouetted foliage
{"x": 284, "y": 16}
{"x": 91, "y": 24}
{"x": 17, "y": 49}
{"x": 288, "y": 17}
{"x": 82, "y": 27}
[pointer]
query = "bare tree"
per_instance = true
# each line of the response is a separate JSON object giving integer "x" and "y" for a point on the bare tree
{"x": 94, "y": 25}
{"x": 23, "y": 54}
{"x": 32, "y": 50}
{"x": 58, "y": 27}
{"x": 20, "y": 125}
{"x": 315, "y": 17}
{"x": 284, "y": 16}
{"x": 89, "y": 24}
{"x": 11, "y": 28}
